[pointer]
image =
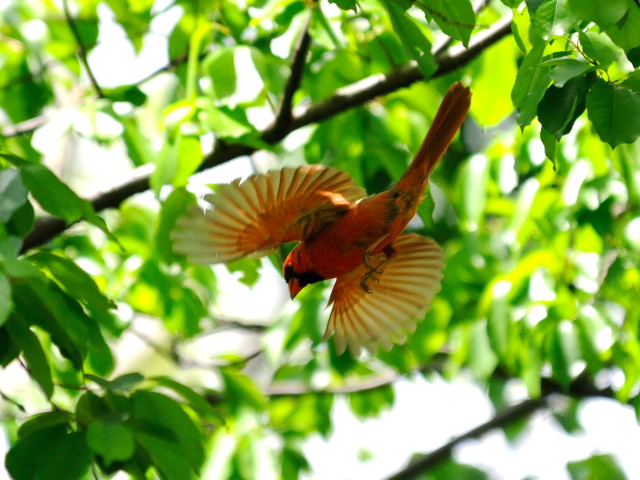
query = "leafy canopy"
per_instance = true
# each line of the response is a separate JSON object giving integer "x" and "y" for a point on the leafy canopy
{"x": 540, "y": 224}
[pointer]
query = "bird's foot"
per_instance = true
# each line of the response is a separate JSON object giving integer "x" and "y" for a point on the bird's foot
{"x": 364, "y": 281}
{"x": 377, "y": 268}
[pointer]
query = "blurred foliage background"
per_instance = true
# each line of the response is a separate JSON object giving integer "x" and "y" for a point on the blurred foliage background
{"x": 118, "y": 358}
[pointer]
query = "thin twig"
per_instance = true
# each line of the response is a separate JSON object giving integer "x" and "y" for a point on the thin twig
{"x": 47, "y": 228}
{"x": 501, "y": 419}
{"x": 14, "y": 402}
{"x": 581, "y": 387}
{"x": 82, "y": 51}
{"x": 298, "y": 62}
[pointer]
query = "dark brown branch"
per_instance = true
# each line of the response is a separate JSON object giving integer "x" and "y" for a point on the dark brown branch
{"x": 505, "y": 417}
{"x": 581, "y": 387}
{"x": 298, "y": 62}
{"x": 82, "y": 51}
{"x": 377, "y": 85}
{"x": 345, "y": 98}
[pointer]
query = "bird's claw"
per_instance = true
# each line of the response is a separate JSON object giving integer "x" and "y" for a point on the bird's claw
{"x": 367, "y": 262}
{"x": 365, "y": 279}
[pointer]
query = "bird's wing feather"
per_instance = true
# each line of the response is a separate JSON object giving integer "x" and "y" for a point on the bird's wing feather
{"x": 399, "y": 299}
{"x": 252, "y": 218}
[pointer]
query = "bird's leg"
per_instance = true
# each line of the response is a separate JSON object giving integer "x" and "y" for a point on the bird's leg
{"x": 368, "y": 255}
{"x": 390, "y": 253}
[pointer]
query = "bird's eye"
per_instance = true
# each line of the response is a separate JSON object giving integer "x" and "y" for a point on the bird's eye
{"x": 288, "y": 272}
{"x": 307, "y": 278}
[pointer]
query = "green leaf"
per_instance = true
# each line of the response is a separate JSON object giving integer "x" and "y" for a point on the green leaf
{"x": 371, "y": 402}
{"x": 531, "y": 82}
{"x": 625, "y": 33}
{"x": 173, "y": 442}
{"x": 250, "y": 270}
{"x": 595, "y": 11}
{"x": 189, "y": 159}
{"x": 53, "y": 195}
{"x": 5, "y": 298}
{"x": 632, "y": 82}
{"x": 563, "y": 73}
{"x": 30, "y": 307}
{"x": 221, "y": 68}
{"x": 241, "y": 390}
{"x": 498, "y": 317}
{"x": 195, "y": 400}
{"x": 596, "y": 468}
{"x": 414, "y": 42}
{"x": 75, "y": 280}
{"x": 125, "y": 383}
{"x": 560, "y": 107}
{"x": 293, "y": 462}
{"x": 43, "y": 421}
{"x": 71, "y": 317}
{"x": 173, "y": 207}
{"x": 633, "y": 55}
{"x": 32, "y": 352}
{"x": 450, "y": 469}
{"x": 114, "y": 442}
{"x": 51, "y": 454}
{"x": 220, "y": 122}
{"x": 303, "y": 414}
{"x": 12, "y": 193}
{"x": 456, "y": 18}
{"x": 138, "y": 145}
{"x": 345, "y": 4}
{"x": 551, "y": 18}
{"x": 550, "y": 143}
{"x": 91, "y": 407}
{"x": 564, "y": 351}
{"x": 599, "y": 47}
{"x": 126, "y": 93}
{"x": 134, "y": 18}
{"x": 8, "y": 350}
{"x": 22, "y": 221}
{"x": 614, "y": 112}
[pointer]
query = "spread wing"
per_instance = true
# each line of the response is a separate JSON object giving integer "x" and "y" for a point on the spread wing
{"x": 399, "y": 299}
{"x": 252, "y": 218}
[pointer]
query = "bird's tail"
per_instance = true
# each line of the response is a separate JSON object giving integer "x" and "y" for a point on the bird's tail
{"x": 448, "y": 120}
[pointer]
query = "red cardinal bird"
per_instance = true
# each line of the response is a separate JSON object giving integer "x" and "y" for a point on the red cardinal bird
{"x": 385, "y": 280}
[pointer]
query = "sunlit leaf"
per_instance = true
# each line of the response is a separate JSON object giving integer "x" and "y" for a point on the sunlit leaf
{"x": 12, "y": 193}
{"x": 596, "y": 467}
{"x": 456, "y": 18}
{"x": 592, "y": 11}
{"x": 599, "y": 47}
{"x": 552, "y": 17}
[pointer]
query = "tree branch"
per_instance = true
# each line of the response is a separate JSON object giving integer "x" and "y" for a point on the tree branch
{"x": 369, "y": 88}
{"x": 298, "y": 62}
{"x": 503, "y": 418}
{"x": 581, "y": 387}
{"x": 345, "y": 98}
{"x": 82, "y": 51}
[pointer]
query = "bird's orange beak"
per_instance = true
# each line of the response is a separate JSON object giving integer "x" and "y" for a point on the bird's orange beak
{"x": 294, "y": 287}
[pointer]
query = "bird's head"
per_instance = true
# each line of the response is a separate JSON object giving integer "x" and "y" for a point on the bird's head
{"x": 297, "y": 274}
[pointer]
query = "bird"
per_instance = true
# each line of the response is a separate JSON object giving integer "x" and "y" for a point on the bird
{"x": 385, "y": 279}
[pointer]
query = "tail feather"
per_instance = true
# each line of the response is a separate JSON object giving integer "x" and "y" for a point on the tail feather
{"x": 448, "y": 120}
